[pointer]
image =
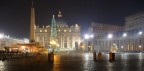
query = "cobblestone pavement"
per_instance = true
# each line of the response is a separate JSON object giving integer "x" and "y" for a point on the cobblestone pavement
{"x": 76, "y": 62}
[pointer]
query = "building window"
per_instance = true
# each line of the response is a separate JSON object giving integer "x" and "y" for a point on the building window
{"x": 64, "y": 30}
{"x": 45, "y": 30}
{"x": 40, "y": 30}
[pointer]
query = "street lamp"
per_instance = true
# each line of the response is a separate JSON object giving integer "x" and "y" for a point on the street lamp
{"x": 139, "y": 46}
{"x": 88, "y": 36}
{"x": 91, "y": 35}
{"x": 122, "y": 47}
{"x": 124, "y": 35}
{"x": 1, "y": 36}
{"x": 140, "y": 33}
{"x": 114, "y": 44}
{"x": 110, "y": 36}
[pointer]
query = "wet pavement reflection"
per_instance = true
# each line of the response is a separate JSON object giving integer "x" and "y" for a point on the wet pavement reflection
{"x": 76, "y": 62}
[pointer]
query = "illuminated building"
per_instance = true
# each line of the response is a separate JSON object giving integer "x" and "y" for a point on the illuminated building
{"x": 68, "y": 36}
{"x": 134, "y": 21}
{"x": 100, "y": 31}
{"x": 129, "y": 38}
{"x": 6, "y": 41}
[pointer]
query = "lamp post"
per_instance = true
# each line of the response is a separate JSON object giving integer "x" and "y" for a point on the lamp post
{"x": 110, "y": 36}
{"x": 88, "y": 37}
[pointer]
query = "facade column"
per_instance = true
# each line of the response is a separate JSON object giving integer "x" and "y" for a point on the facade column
{"x": 61, "y": 42}
{"x": 102, "y": 48}
{"x": 124, "y": 45}
{"x": 73, "y": 42}
{"x": 119, "y": 46}
{"x": 142, "y": 44}
{"x": 131, "y": 45}
{"x": 110, "y": 45}
{"x": 137, "y": 44}
{"x": 134, "y": 44}
{"x": 68, "y": 42}
{"x": 100, "y": 45}
{"x": 43, "y": 41}
{"x": 104, "y": 45}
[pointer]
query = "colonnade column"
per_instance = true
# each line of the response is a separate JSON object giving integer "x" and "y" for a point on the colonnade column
{"x": 134, "y": 44}
{"x": 142, "y": 44}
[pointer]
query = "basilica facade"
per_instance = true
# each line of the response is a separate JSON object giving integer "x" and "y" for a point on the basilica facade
{"x": 68, "y": 36}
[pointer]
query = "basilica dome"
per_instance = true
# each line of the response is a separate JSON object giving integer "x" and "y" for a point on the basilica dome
{"x": 60, "y": 21}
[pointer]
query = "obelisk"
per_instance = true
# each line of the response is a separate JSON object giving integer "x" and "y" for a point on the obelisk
{"x": 32, "y": 24}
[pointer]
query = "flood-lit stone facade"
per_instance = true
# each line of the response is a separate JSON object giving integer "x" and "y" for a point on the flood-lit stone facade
{"x": 128, "y": 38}
{"x": 68, "y": 36}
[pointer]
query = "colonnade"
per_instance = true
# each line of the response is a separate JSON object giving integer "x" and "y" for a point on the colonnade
{"x": 134, "y": 44}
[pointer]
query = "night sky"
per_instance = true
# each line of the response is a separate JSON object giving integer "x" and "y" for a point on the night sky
{"x": 15, "y": 14}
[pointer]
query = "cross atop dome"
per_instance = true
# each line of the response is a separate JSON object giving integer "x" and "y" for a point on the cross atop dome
{"x": 59, "y": 14}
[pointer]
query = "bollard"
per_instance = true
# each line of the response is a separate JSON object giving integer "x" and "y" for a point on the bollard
{"x": 50, "y": 56}
{"x": 38, "y": 56}
{"x": 111, "y": 56}
{"x": 99, "y": 56}
{"x": 94, "y": 56}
